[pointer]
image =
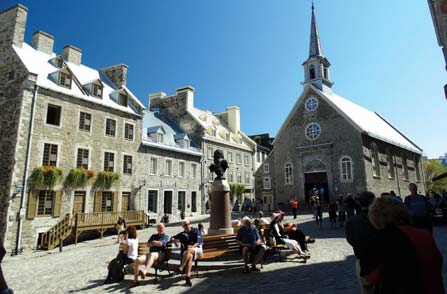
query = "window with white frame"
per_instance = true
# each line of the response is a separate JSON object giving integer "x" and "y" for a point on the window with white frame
{"x": 210, "y": 152}
{"x": 247, "y": 177}
{"x": 389, "y": 164}
{"x": 65, "y": 80}
{"x": 288, "y": 173}
{"x": 127, "y": 165}
{"x": 110, "y": 127}
{"x": 153, "y": 166}
{"x": 181, "y": 169}
{"x": 109, "y": 161}
{"x": 193, "y": 170}
{"x": 375, "y": 163}
{"x": 152, "y": 200}
{"x": 238, "y": 159}
{"x": 85, "y": 121}
{"x": 416, "y": 168}
{"x": 168, "y": 167}
{"x": 246, "y": 160}
{"x": 128, "y": 131}
{"x": 267, "y": 183}
{"x": 160, "y": 137}
{"x": 239, "y": 177}
{"x": 313, "y": 131}
{"x": 405, "y": 167}
{"x": 346, "y": 172}
{"x": 230, "y": 156}
{"x": 230, "y": 176}
{"x": 266, "y": 168}
{"x": 311, "y": 104}
{"x": 97, "y": 91}
{"x": 49, "y": 154}
{"x": 186, "y": 143}
{"x": 82, "y": 158}
{"x": 213, "y": 132}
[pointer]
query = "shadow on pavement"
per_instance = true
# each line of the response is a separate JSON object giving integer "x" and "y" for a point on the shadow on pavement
{"x": 327, "y": 277}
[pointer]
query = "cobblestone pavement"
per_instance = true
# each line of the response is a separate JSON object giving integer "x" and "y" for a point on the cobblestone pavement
{"x": 82, "y": 269}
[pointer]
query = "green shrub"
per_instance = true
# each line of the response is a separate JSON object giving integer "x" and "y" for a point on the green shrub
{"x": 78, "y": 178}
{"x": 45, "y": 177}
{"x": 106, "y": 180}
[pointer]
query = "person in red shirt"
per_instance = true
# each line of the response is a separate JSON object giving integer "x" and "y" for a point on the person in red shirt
{"x": 294, "y": 206}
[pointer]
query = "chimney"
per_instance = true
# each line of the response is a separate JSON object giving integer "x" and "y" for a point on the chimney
{"x": 117, "y": 74}
{"x": 72, "y": 54}
{"x": 186, "y": 92}
{"x": 43, "y": 42}
{"x": 234, "y": 119}
{"x": 154, "y": 100}
{"x": 12, "y": 25}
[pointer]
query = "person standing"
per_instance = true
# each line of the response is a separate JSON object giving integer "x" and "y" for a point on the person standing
{"x": 333, "y": 214}
{"x": 350, "y": 204}
{"x": 294, "y": 206}
{"x": 418, "y": 208}
{"x": 318, "y": 211}
{"x": 341, "y": 211}
{"x": 362, "y": 236}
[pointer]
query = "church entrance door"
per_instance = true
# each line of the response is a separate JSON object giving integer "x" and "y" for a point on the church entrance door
{"x": 319, "y": 180}
{"x": 315, "y": 176}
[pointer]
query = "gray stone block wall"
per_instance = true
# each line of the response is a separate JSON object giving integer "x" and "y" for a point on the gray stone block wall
{"x": 384, "y": 183}
{"x": 161, "y": 182}
{"x": 338, "y": 138}
{"x": 117, "y": 74}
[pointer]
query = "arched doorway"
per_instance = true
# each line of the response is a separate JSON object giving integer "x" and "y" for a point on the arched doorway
{"x": 315, "y": 176}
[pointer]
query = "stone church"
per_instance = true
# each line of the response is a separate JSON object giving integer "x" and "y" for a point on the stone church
{"x": 332, "y": 143}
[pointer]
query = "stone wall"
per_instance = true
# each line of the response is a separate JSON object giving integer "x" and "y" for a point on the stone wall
{"x": 161, "y": 182}
{"x": 397, "y": 183}
{"x": 69, "y": 138}
{"x": 117, "y": 74}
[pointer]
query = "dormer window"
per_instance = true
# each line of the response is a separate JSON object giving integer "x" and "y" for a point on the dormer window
{"x": 214, "y": 132}
{"x": 159, "y": 137}
{"x": 186, "y": 143}
{"x": 122, "y": 99}
{"x": 64, "y": 80}
{"x": 227, "y": 136}
{"x": 97, "y": 91}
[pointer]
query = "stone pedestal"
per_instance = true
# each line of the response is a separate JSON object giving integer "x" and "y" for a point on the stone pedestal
{"x": 220, "y": 219}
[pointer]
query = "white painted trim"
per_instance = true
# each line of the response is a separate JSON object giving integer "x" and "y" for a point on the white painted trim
{"x": 79, "y": 122}
{"x": 124, "y": 131}
{"x": 77, "y": 147}
{"x": 184, "y": 168}
{"x": 165, "y": 167}
{"x": 58, "y": 143}
{"x": 172, "y": 201}
{"x": 341, "y": 169}
{"x": 285, "y": 174}
{"x": 105, "y": 126}
{"x": 114, "y": 159}
{"x": 133, "y": 163}
{"x": 47, "y": 103}
{"x": 156, "y": 165}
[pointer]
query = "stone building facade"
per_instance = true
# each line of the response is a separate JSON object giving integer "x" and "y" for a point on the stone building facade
{"x": 331, "y": 143}
{"x": 211, "y": 132}
{"x": 59, "y": 115}
{"x": 171, "y": 167}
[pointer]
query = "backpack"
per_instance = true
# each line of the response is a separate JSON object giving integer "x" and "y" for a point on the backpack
{"x": 116, "y": 269}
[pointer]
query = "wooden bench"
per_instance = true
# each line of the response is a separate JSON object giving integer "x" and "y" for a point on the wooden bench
{"x": 159, "y": 265}
{"x": 271, "y": 248}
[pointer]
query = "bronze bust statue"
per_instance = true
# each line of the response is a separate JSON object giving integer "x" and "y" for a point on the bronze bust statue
{"x": 220, "y": 165}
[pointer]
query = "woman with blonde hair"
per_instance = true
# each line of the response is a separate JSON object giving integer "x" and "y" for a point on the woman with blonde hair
{"x": 408, "y": 258}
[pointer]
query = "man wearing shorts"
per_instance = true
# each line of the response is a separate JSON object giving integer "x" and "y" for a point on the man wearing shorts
{"x": 249, "y": 241}
{"x": 157, "y": 244}
{"x": 191, "y": 248}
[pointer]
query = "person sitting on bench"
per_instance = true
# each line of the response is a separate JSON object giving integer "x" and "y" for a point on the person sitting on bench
{"x": 191, "y": 248}
{"x": 281, "y": 239}
{"x": 249, "y": 241}
{"x": 157, "y": 244}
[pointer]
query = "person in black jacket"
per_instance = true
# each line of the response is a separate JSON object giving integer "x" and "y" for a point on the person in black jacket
{"x": 363, "y": 238}
{"x": 191, "y": 248}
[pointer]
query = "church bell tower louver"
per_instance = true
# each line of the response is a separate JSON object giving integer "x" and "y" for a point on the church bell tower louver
{"x": 316, "y": 67}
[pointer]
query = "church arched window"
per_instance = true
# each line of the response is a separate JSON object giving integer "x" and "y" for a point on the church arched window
{"x": 389, "y": 164}
{"x": 288, "y": 173}
{"x": 311, "y": 72}
{"x": 375, "y": 160}
{"x": 346, "y": 169}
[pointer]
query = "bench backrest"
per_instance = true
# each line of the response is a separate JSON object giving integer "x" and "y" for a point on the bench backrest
{"x": 143, "y": 249}
{"x": 220, "y": 246}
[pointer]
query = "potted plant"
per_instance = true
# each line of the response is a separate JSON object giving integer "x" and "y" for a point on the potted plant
{"x": 78, "y": 178}
{"x": 105, "y": 180}
{"x": 45, "y": 177}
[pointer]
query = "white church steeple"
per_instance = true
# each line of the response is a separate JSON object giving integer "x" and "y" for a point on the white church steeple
{"x": 316, "y": 67}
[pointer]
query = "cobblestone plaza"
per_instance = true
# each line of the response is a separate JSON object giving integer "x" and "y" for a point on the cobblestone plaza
{"x": 82, "y": 268}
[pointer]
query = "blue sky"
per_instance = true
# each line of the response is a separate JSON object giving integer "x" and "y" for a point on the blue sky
{"x": 384, "y": 54}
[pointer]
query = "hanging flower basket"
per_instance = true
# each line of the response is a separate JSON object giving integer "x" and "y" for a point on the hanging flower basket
{"x": 45, "y": 177}
{"x": 105, "y": 180}
{"x": 78, "y": 178}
